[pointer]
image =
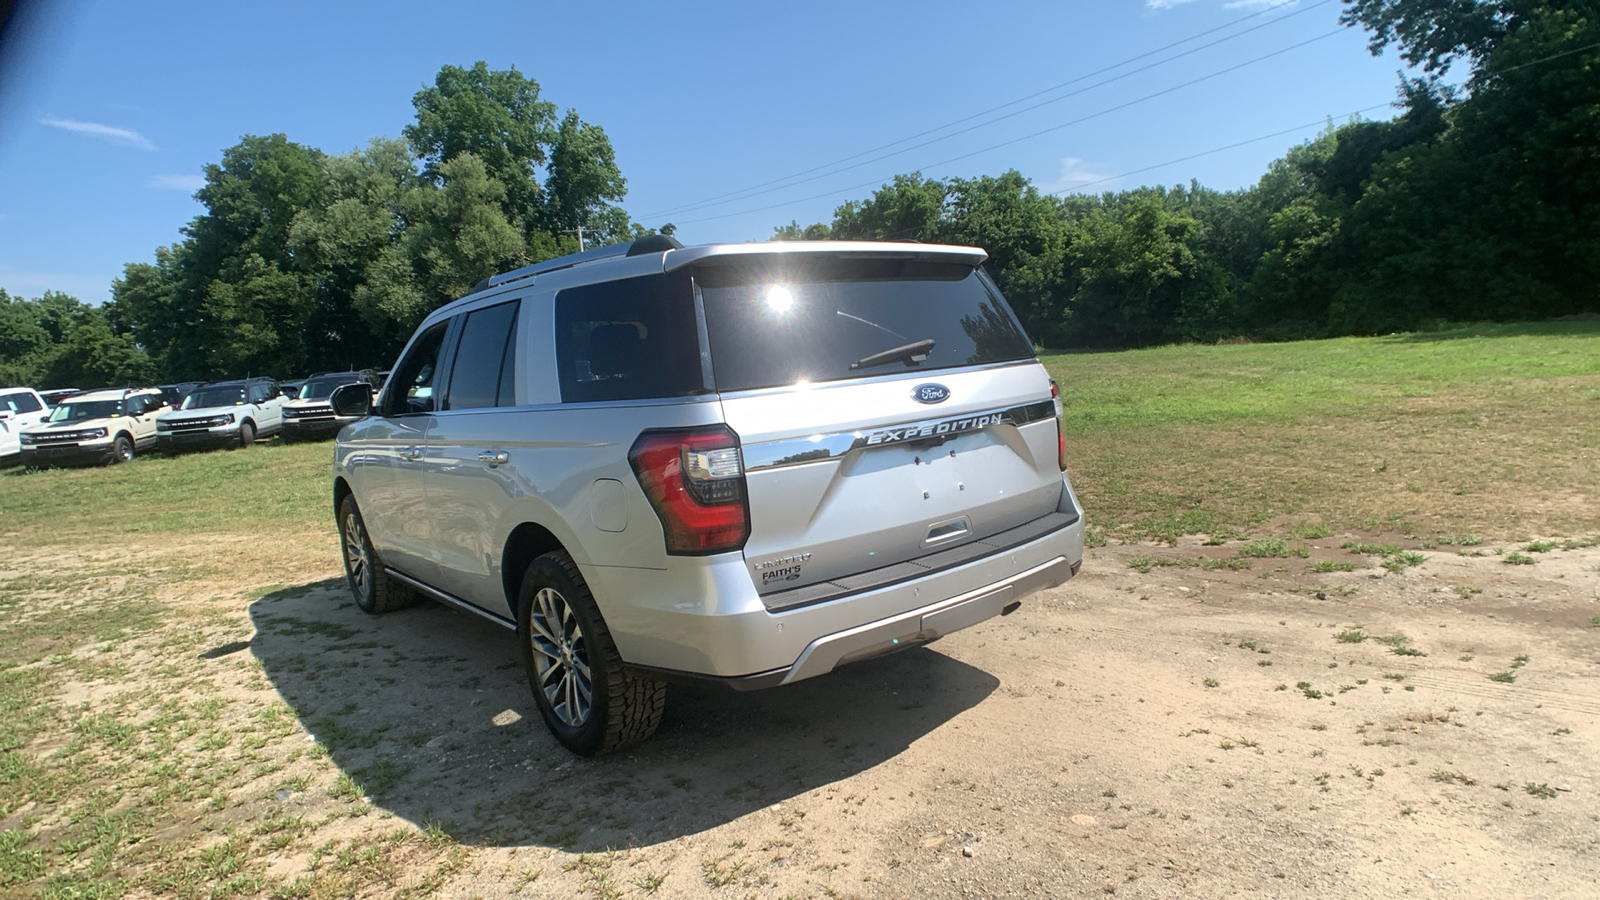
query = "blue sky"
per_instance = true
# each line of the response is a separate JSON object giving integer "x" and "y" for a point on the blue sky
{"x": 109, "y": 111}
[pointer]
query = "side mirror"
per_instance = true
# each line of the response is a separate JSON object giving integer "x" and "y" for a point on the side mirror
{"x": 4, "y": 414}
{"x": 351, "y": 400}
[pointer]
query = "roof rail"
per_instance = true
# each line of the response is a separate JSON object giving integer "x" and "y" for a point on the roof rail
{"x": 655, "y": 243}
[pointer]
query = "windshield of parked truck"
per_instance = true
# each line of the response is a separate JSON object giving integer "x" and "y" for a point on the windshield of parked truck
{"x": 77, "y": 410}
{"x": 321, "y": 388}
{"x": 204, "y": 398}
{"x": 774, "y": 321}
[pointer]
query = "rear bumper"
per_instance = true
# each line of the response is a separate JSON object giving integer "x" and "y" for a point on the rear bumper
{"x": 716, "y": 627}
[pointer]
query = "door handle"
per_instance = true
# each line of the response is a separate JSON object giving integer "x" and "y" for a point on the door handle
{"x": 498, "y": 458}
{"x": 411, "y": 453}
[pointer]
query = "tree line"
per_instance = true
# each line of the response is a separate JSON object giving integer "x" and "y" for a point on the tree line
{"x": 305, "y": 261}
{"x": 1477, "y": 202}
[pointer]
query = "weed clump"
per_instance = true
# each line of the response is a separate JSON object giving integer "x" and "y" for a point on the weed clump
{"x": 1270, "y": 548}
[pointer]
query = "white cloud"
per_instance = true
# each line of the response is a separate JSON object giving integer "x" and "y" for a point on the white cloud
{"x": 1074, "y": 173}
{"x": 186, "y": 183}
{"x": 125, "y": 136}
{"x": 1164, "y": 4}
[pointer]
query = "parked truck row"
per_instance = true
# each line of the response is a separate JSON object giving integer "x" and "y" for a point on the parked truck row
{"x": 106, "y": 427}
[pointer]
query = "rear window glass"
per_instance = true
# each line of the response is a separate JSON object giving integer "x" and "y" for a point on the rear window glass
{"x": 776, "y": 322}
{"x": 633, "y": 339}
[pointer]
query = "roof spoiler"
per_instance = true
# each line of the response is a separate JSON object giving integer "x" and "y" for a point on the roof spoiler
{"x": 727, "y": 254}
{"x": 654, "y": 243}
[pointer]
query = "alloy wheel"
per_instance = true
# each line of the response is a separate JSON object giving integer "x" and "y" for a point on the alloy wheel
{"x": 355, "y": 553}
{"x": 560, "y": 659}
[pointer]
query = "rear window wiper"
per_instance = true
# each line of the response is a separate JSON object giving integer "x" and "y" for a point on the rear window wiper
{"x": 907, "y": 353}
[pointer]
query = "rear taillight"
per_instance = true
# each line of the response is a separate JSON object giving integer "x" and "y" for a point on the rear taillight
{"x": 695, "y": 483}
{"x": 1061, "y": 425}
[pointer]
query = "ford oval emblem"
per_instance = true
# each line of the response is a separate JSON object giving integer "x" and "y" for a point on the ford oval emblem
{"x": 930, "y": 393}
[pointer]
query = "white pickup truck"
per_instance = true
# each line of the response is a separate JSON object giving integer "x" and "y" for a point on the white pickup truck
{"x": 19, "y": 408}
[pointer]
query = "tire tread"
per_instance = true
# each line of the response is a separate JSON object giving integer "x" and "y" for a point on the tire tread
{"x": 634, "y": 704}
{"x": 388, "y": 594}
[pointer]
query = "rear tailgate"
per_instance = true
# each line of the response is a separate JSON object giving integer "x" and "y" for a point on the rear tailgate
{"x": 879, "y": 479}
{"x": 861, "y": 475}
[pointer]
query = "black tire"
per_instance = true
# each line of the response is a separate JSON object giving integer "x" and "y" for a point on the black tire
{"x": 122, "y": 450}
{"x": 562, "y": 634}
{"x": 374, "y": 591}
{"x": 247, "y": 435}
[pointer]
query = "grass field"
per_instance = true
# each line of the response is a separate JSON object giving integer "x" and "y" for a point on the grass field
{"x": 134, "y": 734}
{"x": 1494, "y": 429}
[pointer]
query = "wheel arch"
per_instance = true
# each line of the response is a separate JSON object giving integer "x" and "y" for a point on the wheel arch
{"x": 341, "y": 490}
{"x": 527, "y": 542}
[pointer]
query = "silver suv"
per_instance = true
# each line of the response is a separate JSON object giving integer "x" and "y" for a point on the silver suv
{"x": 745, "y": 464}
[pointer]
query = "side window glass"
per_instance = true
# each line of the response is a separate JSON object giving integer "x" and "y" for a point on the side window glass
{"x": 480, "y": 358}
{"x": 631, "y": 339}
{"x": 507, "y": 394}
{"x": 410, "y": 388}
{"x": 25, "y": 403}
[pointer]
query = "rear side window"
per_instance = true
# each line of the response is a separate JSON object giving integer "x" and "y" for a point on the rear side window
{"x": 775, "y": 321}
{"x": 484, "y": 364}
{"x": 633, "y": 339}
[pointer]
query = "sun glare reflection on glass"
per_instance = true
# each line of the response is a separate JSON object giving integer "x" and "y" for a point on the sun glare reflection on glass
{"x": 779, "y": 299}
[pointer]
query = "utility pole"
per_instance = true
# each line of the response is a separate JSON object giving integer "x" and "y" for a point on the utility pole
{"x": 579, "y": 230}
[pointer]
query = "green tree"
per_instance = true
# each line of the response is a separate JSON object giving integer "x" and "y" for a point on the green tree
{"x": 498, "y": 117}
{"x": 794, "y": 231}
{"x": 344, "y": 250}
{"x": 458, "y": 236}
{"x": 1435, "y": 33}
{"x": 1141, "y": 280}
{"x": 59, "y": 341}
{"x": 911, "y": 208}
{"x": 1026, "y": 238}
{"x": 229, "y": 297}
{"x": 584, "y": 183}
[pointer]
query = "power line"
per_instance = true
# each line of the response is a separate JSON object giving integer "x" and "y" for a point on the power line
{"x": 1295, "y": 128}
{"x": 1026, "y": 137}
{"x": 1264, "y": 137}
{"x": 756, "y": 190}
{"x": 1254, "y": 140}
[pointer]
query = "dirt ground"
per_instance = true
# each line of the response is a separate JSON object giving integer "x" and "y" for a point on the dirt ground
{"x": 1186, "y": 732}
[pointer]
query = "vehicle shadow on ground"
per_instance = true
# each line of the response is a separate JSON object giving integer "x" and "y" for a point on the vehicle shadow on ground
{"x": 429, "y": 711}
